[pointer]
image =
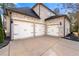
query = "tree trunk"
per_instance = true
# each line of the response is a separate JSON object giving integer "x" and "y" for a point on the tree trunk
{"x": 77, "y": 16}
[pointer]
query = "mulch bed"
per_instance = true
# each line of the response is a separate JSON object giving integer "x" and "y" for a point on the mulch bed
{"x": 5, "y": 43}
{"x": 71, "y": 36}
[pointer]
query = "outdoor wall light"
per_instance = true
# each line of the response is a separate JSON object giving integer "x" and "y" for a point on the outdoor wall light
{"x": 60, "y": 23}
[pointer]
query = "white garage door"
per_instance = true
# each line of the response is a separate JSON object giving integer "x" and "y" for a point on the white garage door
{"x": 39, "y": 29}
{"x": 23, "y": 29}
{"x": 53, "y": 30}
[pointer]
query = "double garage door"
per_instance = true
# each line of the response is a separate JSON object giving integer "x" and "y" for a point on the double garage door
{"x": 27, "y": 29}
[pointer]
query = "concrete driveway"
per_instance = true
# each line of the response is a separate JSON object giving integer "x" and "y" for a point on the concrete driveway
{"x": 41, "y": 46}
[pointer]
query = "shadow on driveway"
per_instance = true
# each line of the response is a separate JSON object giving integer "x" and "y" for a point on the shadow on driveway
{"x": 5, "y": 43}
{"x": 71, "y": 36}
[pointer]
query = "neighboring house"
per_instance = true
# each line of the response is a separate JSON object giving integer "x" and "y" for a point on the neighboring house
{"x": 39, "y": 21}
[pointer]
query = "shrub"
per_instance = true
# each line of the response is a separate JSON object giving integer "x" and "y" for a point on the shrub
{"x": 1, "y": 32}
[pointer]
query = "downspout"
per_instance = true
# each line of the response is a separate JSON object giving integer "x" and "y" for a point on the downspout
{"x": 78, "y": 26}
{"x": 34, "y": 27}
{"x": 45, "y": 28}
{"x": 64, "y": 26}
{"x": 11, "y": 25}
{"x": 39, "y": 10}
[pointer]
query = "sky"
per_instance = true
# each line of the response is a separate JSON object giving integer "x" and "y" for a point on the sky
{"x": 25, "y": 4}
{"x": 51, "y": 6}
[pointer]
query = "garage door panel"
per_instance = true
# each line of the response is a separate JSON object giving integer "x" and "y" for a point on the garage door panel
{"x": 39, "y": 29}
{"x": 53, "y": 30}
{"x": 23, "y": 29}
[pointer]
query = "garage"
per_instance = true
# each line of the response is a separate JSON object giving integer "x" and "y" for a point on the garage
{"x": 23, "y": 29}
{"x": 53, "y": 30}
{"x": 27, "y": 23}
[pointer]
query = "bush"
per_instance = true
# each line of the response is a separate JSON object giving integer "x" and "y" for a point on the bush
{"x": 1, "y": 32}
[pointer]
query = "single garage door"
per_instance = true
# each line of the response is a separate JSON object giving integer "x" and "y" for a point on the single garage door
{"x": 39, "y": 29}
{"x": 23, "y": 29}
{"x": 53, "y": 30}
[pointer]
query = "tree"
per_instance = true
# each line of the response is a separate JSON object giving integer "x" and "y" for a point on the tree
{"x": 74, "y": 16}
{"x": 8, "y": 5}
{"x": 1, "y": 31}
{"x": 56, "y": 10}
{"x": 73, "y": 20}
{"x": 77, "y": 16}
{"x": 72, "y": 6}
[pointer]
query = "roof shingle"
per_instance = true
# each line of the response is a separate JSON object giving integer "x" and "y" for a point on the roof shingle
{"x": 26, "y": 11}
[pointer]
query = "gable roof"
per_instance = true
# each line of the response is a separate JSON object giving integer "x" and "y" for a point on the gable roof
{"x": 53, "y": 17}
{"x": 44, "y": 6}
{"x": 25, "y": 11}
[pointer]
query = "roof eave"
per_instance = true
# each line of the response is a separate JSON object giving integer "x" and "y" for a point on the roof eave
{"x": 22, "y": 13}
{"x": 57, "y": 17}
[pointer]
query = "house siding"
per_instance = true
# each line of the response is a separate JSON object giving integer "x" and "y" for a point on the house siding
{"x": 57, "y": 21}
{"x": 20, "y": 17}
{"x": 7, "y": 25}
{"x": 67, "y": 27}
{"x": 36, "y": 9}
{"x": 43, "y": 12}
